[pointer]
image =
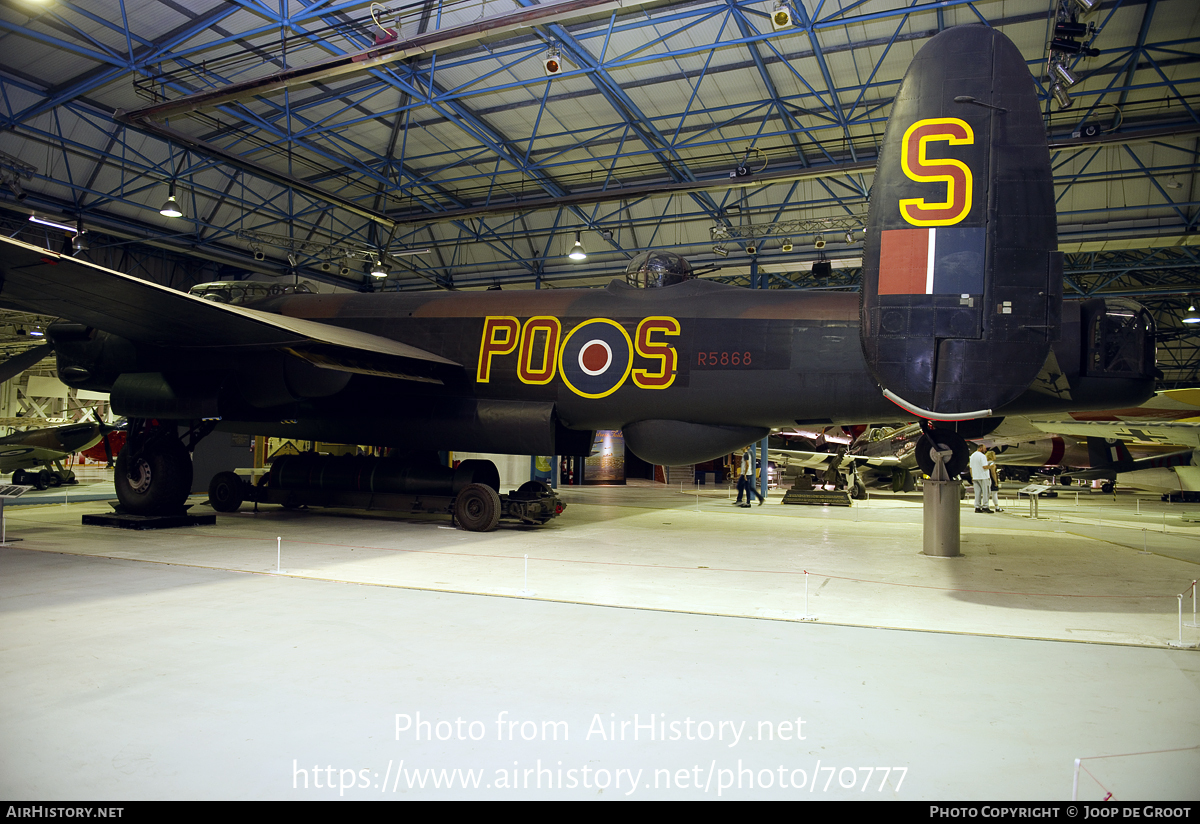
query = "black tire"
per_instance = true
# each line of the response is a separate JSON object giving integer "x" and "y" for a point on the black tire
{"x": 42, "y": 479}
{"x": 1107, "y": 488}
{"x": 225, "y": 492}
{"x": 159, "y": 481}
{"x": 56, "y": 480}
{"x": 1065, "y": 481}
{"x": 477, "y": 508}
{"x": 19, "y": 478}
{"x": 858, "y": 491}
{"x": 945, "y": 439}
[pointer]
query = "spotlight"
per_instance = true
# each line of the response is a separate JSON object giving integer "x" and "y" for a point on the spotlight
{"x": 819, "y": 242}
{"x": 378, "y": 270}
{"x": 14, "y": 186}
{"x": 1070, "y": 28}
{"x": 1192, "y": 315}
{"x": 787, "y": 244}
{"x": 1087, "y": 5}
{"x": 80, "y": 243}
{"x": 781, "y": 18}
{"x": 850, "y": 236}
{"x": 345, "y": 270}
{"x": 577, "y": 252}
{"x": 326, "y": 266}
{"x": 171, "y": 207}
{"x": 720, "y": 251}
{"x": 1060, "y": 96}
{"x": 1174, "y": 184}
{"x": 551, "y": 63}
{"x": 751, "y": 248}
{"x": 1063, "y": 75}
{"x": 258, "y": 255}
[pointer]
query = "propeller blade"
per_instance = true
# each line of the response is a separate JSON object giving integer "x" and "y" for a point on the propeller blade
{"x": 19, "y": 363}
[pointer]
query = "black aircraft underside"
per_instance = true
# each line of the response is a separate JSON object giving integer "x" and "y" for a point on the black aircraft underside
{"x": 961, "y": 317}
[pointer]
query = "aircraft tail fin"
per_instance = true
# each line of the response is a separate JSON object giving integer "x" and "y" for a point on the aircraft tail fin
{"x": 962, "y": 280}
{"x": 1113, "y": 457}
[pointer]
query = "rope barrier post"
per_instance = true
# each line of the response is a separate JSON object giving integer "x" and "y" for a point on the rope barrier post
{"x": 526, "y": 592}
{"x": 1075, "y": 782}
{"x": 278, "y": 552}
{"x": 1180, "y": 643}
{"x": 808, "y": 616}
{"x": 1193, "y": 623}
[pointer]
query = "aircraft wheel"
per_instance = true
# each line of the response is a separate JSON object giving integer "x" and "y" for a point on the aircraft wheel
{"x": 477, "y": 508}
{"x": 945, "y": 439}
{"x": 1107, "y": 488}
{"x": 225, "y": 492}
{"x": 19, "y": 478}
{"x": 42, "y": 479}
{"x": 858, "y": 491}
{"x": 158, "y": 481}
{"x": 56, "y": 480}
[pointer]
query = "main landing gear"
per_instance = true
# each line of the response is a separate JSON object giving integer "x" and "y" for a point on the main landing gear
{"x": 154, "y": 468}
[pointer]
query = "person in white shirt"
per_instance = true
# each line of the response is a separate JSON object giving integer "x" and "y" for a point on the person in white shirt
{"x": 981, "y": 478}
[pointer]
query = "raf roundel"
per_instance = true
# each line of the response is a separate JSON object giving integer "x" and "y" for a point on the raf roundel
{"x": 596, "y": 358}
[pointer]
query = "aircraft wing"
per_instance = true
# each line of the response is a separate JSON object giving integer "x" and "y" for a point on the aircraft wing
{"x": 1167, "y": 432}
{"x": 41, "y": 281}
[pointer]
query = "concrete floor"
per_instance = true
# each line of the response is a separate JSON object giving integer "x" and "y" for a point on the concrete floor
{"x": 179, "y": 664}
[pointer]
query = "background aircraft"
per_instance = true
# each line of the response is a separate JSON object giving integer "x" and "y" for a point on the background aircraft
{"x": 35, "y": 457}
{"x": 962, "y": 318}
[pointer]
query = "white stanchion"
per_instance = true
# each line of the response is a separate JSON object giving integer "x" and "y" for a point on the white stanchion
{"x": 808, "y": 616}
{"x": 527, "y": 591}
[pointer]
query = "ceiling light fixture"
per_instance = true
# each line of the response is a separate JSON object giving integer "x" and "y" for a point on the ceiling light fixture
{"x": 378, "y": 270}
{"x": 819, "y": 242}
{"x": 577, "y": 252}
{"x": 171, "y": 207}
{"x": 53, "y": 224}
{"x": 787, "y": 244}
{"x": 1192, "y": 315}
{"x": 720, "y": 251}
{"x": 850, "y": 236}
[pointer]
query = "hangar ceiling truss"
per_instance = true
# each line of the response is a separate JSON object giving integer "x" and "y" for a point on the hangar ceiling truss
{"x": 435, "y": 125}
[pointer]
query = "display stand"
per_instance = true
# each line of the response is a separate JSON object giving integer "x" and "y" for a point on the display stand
{"x": 123, "y": 520}
{"x": 942, "y": 500}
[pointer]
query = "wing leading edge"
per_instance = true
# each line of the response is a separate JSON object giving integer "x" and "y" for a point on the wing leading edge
{"x": 37, "y": 280}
